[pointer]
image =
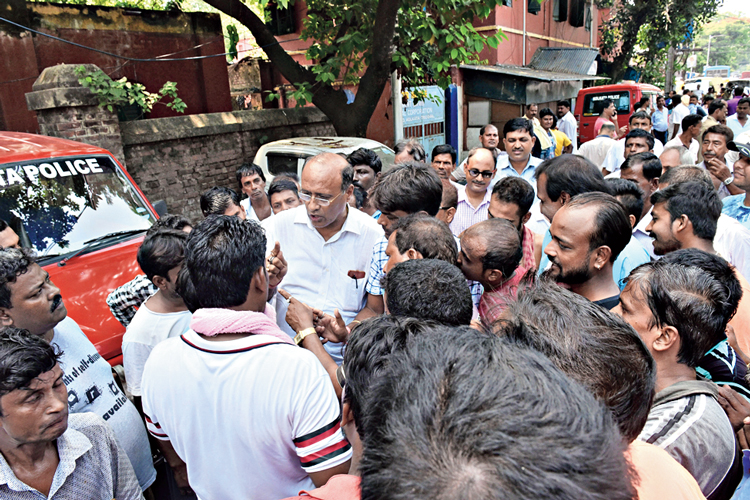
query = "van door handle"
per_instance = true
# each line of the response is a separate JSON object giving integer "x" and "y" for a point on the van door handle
{"x": 586, "y": 124}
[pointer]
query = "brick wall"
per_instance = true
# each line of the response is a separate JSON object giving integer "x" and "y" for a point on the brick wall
{"x": 177, "y": 159}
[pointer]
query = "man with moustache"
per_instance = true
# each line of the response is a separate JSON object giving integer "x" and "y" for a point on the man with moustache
{"x": 519, "y": 140}
{"x": 714, "y": 150}
{"x": 29, "y": 300}
{"x": 253, "y": 183}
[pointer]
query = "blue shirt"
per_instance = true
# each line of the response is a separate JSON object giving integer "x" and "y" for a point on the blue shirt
{"x": 734, "y": 207}
{"x": 660, "y": 120}
{"x": 632, "y": 256}
{"x": 544, "y": 263}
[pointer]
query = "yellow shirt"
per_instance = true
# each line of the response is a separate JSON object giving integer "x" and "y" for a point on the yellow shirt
{"x": 561, "y": 140}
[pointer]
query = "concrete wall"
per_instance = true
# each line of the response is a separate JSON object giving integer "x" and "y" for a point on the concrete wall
{"x": 176, "y": 159}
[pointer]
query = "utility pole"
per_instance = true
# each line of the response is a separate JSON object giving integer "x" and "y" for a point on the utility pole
{"x": 669, "y": 80}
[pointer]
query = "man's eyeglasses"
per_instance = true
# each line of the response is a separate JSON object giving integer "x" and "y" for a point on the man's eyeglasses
{"x": 474, "y": 172}
{"x": 323, "y": 202}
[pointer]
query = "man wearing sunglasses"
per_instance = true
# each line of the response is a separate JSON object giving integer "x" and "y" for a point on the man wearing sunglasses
{"x": 327, "y": 245}
{"x": 474, "y": 198}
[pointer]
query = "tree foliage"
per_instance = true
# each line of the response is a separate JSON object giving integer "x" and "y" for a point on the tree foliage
{"x": 728, "y": 49}
{"x": 646, "y": 28}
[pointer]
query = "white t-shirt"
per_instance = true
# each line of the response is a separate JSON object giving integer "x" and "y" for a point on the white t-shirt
{"x": 694, "y": 147}
{"x": 318, "y": 270}
{"x": 596, "y": 149}
{"x": 91, "y": 388}
{"x": 732, "y": 241}
{"x": 678, "y": 113}
{"x": 569, "y": 126}
{"x": 147, "y": 329}
{"x": 251, "y": 417}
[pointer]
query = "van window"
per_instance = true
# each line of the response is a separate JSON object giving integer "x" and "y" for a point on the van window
{"x": 279, "y": 163}
{"x": 59, "y": 205}
{"x": 594, "y": 103}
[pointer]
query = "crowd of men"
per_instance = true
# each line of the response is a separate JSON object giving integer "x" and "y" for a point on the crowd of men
{"x": 546, "y": 321}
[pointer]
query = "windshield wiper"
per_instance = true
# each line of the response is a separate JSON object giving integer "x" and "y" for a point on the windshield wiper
{"x": 90, "y": 243}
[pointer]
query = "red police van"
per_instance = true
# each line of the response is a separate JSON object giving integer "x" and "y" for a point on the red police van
{"x": 625, "y": 95}
{"x": 84, "y": 217}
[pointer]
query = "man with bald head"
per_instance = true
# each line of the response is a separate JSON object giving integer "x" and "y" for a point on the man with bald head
{"x": 327, "y": 246}
{"x": 474, "y": 198}
{"x": 491, "y": 254}
{"x": 675, "y": 156}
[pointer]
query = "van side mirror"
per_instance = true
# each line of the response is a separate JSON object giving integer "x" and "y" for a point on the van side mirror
{"x": 160, "y": 206}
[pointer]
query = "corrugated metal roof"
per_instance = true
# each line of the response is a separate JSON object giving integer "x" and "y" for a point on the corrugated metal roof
{"x": 531, "y": 73}
{"x": 564, "y": 60}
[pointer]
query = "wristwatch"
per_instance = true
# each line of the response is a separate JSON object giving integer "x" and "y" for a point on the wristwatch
{"x": 728, "y": 180}
{"x": 302, "y": 334}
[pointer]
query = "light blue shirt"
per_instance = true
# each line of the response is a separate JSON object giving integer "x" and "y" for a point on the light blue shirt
{"x": 734, "y": 123}
{"x": 734, "y": 207}
{"x": 660, "y": 119}
{"x": 544, "y": 263}
{"x": 505, "y": 169}
{"x": 632, "y": 256}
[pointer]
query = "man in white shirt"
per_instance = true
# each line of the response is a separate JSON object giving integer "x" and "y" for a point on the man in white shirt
{"x": 678, "y": 113}
{"x": 596, "y": 149}
{"x": 567, "y": 123}
{"x": 691, "y": 129}
{"x": 740, "y": 121}
{"x": 253, "y": 183}
{"x": 327, "y": 245}
{"x": 250, "y": 414}
{"x": 164, "y": 314}
{"x": 616, "y": 154}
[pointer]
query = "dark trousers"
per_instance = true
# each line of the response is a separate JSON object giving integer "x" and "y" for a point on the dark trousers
{"x": 662, "y": 136}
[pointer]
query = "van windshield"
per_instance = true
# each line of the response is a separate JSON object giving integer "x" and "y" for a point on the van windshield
{"x": 593, "y": 104}
{"x": 59, "y": 205}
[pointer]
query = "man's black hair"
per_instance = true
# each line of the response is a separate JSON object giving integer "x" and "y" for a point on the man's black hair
{"x": 716, "y": 105}
{"x": 744, "y": 100}
{"x": 691, "y": 120}
{"x": 449, "y": 198}
{"x": 720, "y": 130}
{"x": 651, "y": 165}
{"x": 221, "y": 257}
{"x": 607, "y": 103}
{"x": 279, "y": 185}
{"x": 545, "y": 112}
{"x": 518, "y": 125}
{"x": 217, "y": 200}
{"x": 564, "y": 102}
{"x": 590, "y": 345}
{"x": 640, "y": 133}
{"x": 162, "y": 251}
{"x": 686, "y": 173}
{"x": 611, "y": 226}
{"x": 412, "y": 147}
{"x": 640, "y": 104}
{"x": 515, "y": 190}
{"x": 411, "y": 187}
{"x": 364, "y": 156}
{"x": 247, "y": 169}
{"x": 715, "y": 266}
{"x": 367, "y": 352}
{"x": 3, "y": 225}
{"x": 700, "y": 203}
{"x": 629, "y": 195}
{"x": 170, "y": 221}
{"x": 23, "y": 357}
{"x": 291, "y": 176}
{"x": 458, "y": 413}
{"x": 429, "y": 289}
{"x": 687, "y": 298}
{"x": 482, "y": 131}
{"x": 640, "y": 115}
{"x": 571, "y": 174}
{"x": 501, "y": 242}
{"x": 427, "y": 235}
{"x": 738, "y": 91}
{"x": 445, "y": 149}
{"x": 13, "y": 263}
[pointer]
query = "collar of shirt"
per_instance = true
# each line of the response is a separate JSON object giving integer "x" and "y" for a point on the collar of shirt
{"x": 503, "y": 163}
{"x": 643, "y": 223}
{"x": 70, "y": 447}
{"x": 350, "y": 224}
{"x": 485, "y": 201}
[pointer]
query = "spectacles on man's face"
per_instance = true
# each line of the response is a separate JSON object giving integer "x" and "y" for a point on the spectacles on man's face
{"x": 323, "y": 202}
{"x": 485, "y": 173}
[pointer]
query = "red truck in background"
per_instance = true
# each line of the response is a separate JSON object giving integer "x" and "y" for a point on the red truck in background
{"x": 84, "y": 217}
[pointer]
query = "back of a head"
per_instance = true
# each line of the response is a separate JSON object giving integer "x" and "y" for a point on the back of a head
{"x": 629, "y": 195}
{"x": 699, "y": 202}
{"x": 690, "y": 121}
{"x": 589, "y": 344}
{"x": 428, "y": 289}
{"x": 502, "y": 244}
{"x": 738, "y": 91}
{"x": 221, "y": 256}
{"x": 162, "y": 251}
{"x": 449, "y": 199}
{"x": 650, "y": 164}
{"x": 367, "y": 351}
{"x": 515, "y": 190}
{"x": 607, "y": 127}
{"x": 716, "y": 105}
{"x": 685, "y": 173}
{"x": 427, "y": 235}
{"x": 411, "y": 187}
{"x": 714, "y": 265}
{"x": 571, "y": 174}
{"x": 364, "y": 156}
{"x": 459, "y": 414}
{"x": 216, "y": 200}
{"x": 611, "y": 225}
{"x": 13, "y": 263}
{"x": 686, "y": 298}
{"x": 412, "y": 147}
{"x": 170, "y": 221}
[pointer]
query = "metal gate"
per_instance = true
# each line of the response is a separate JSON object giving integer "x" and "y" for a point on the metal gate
{"x": 425, "y": 121}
